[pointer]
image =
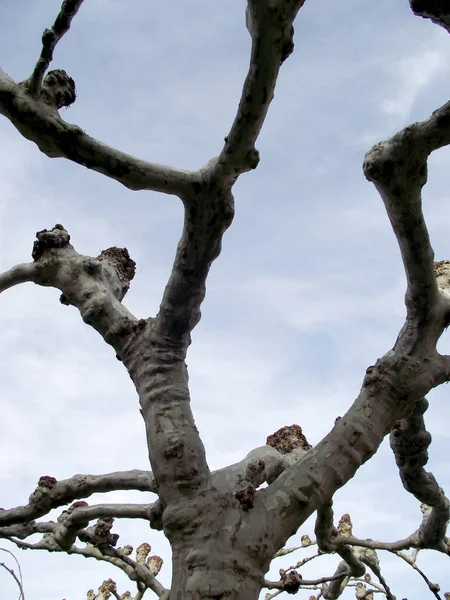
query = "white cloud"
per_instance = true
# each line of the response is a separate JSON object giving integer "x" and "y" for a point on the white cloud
{"x": 413, "y": 74}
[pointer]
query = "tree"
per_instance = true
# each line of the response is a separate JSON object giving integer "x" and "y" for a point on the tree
{"x": 223, "y": 527}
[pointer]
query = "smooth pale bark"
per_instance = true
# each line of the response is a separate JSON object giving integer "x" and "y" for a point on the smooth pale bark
{"x": 223, "y": 530}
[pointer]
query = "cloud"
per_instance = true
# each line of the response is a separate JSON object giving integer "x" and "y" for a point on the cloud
{"x": 412, "y": 75}
{"x": 323, "y": 301}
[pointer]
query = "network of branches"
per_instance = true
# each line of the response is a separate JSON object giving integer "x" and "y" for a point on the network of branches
{"x": 275, "y": 488}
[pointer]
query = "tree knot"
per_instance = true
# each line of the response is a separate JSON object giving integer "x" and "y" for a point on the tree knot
{"x": 53, "y": 238}
{"x": 58, "y": 89}
{"x": 287, "y": 439}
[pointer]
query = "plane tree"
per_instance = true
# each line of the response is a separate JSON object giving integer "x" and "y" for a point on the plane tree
{"x": 225, "y": 527}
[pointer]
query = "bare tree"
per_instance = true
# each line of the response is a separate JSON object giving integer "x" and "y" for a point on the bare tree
{"x": 225, "y": 527}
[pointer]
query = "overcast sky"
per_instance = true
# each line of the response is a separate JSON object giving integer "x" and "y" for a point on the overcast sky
{"x": 307, "y": 293}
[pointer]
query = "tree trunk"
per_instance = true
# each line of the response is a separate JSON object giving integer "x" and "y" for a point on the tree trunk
{"x": 215, "y": 552}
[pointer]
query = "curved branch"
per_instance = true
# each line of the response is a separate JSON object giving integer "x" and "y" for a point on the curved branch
{"x": 324, "y": 529}
{"x": 270, "y": 25}
{"x": 261, "y": 465}
{"x": 398, "y": 169}
{"x": 51, "y": 493}
{"x": 209, "y": 204}
{"x": 18, "y": 274}
{"x": 409, "y": 441}
{"x": 410, "y": 542}
{"x": 313, "y": 480}
{"x": 391, "y": 388}
{"x": 77, "y": 517}
{"x": 119, "y": 511}
{"x": 39, "y": 121}
{"x": 177, "y": 453}
{"x": 16, "y": 579}
{"x": 96, "y": 286}
{"x": 434, "y": 589}
{"x": 24, "y": 530}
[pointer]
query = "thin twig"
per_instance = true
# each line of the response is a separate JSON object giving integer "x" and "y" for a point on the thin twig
{"x": 16, "y": 561}
{"x": 412, "y": 563}
{"x": 14, "y": 576}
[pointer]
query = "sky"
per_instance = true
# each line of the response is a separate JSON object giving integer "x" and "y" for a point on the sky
{"x": 307, "y": 293}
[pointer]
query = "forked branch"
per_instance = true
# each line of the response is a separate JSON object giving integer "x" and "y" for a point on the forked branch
{"x": 51, "y": 493}
{"x": 209, "y": 204}
{"x": 96, "y": 286}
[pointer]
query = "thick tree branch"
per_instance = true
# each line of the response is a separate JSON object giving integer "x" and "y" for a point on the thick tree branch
{"x": 402, "y": 377}
{"x": 409, "y": 440}
{"x": 154, "y": 350}
{"x": 209, "y": 205}
{"x": 160, "y": 373}
{"x": 388, "y": 388}
{"x": 208, "y": 214}
{"x": 50, "y": 38}
{"x": 51, "y": 494}
{"x": 77, "y": 517}
{"x": 270, "y": 24}
{"x": 116, "y": 511}
{"x": 38, "y": 120}
{"x": 96, "y": 286}
{"x": 398, "y": 168}
{"x": 261, "y": 465}
{"x": 324, "y": 528}
{"x": 18, "y": 274}
{"x": 176, "y": 452}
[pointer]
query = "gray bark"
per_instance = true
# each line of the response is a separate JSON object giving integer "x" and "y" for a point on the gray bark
{"x": 223, "y": 530}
